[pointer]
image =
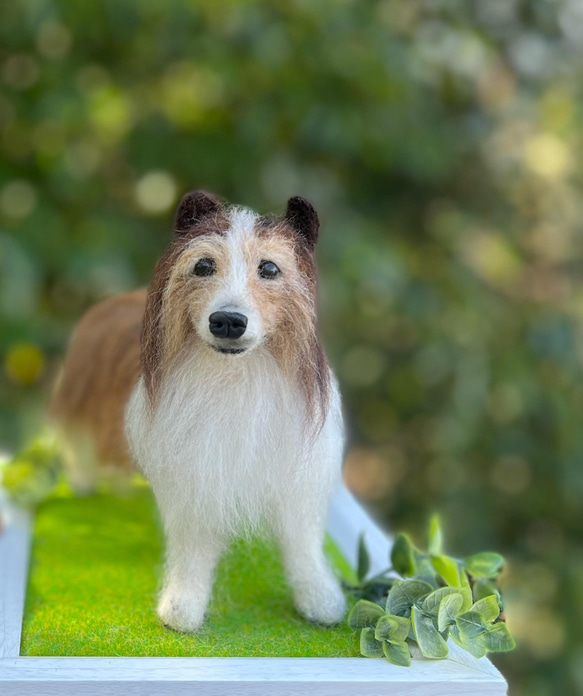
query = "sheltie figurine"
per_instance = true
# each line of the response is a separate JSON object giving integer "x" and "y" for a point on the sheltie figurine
{"x": 230, "y": 408}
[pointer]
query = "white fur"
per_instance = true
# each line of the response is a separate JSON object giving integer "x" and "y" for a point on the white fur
{"x": 233, "y": 294}
{"x": 226, "y": 450}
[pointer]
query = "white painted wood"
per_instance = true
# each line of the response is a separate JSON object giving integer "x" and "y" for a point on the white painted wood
{"x": 14, "y": 555}
{"x": 347, "y": 520}
{"x": 219, "y": 676}
{"x": 459, "y": 675}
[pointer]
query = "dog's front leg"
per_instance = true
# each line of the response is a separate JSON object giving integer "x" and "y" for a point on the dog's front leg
{"x": 316, "y": 590}
{"x": 191, "y": 561}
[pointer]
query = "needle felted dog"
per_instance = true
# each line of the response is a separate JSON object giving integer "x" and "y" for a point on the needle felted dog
{"x": 231, "y": 410}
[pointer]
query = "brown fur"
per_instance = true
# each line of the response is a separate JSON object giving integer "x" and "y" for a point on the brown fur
{"x": 101, "y": 368}
{"x": 155, "y": 353}
{"x": 296, "y": 344}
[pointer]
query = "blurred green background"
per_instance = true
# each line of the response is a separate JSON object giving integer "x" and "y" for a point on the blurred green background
{"x": 441, "y": 141}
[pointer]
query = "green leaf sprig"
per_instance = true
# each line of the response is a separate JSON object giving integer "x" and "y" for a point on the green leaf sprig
{"x": 426, "y": 597}
{"x": 32, "y": 474}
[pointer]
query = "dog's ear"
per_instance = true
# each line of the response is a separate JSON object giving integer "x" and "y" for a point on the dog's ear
{"x": 193, "y": 207}
{"x": 303, "y": 218}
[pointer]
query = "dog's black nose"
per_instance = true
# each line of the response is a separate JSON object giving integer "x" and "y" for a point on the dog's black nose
{"x": 227, "y": 324}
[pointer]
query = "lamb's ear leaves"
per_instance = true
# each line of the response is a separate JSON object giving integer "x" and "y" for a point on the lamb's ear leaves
{"x": 477, "y": 638}
{"x": 475, "y": 647}
{"x": 303, "y": 218}
{"x": 195, "y": 206}
{"x": 435, "y": 536}
{"x": 471, "y": 628}
{"x": 424, "y": 569}
{"x": 403, "y": 555}
{"x": 471, "y": 624}
{"x": 483, "y": 587}
{"x": 428, "y": 638}
{"x": 488, "y": 607}
{"x": 449, "y": 608}
{"x": 465, "y": 580}
{"x": 455, "y": 634}
{"x": 448, "y": 569}
{"x": 498, "y": 639}
{"x": 397, "y": 653}
{"x": 393, "y": 628}
{"x": 432, "y": 602}
{"x": 364, "y": 614}
{"x": 484, "y": 565}
{"x": 369, "y": 645}
{"x": 363, "y": 559}
{"x": 404, "y": 593}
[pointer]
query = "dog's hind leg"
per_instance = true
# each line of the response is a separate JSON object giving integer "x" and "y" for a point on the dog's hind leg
{"x": 79, "y": 459}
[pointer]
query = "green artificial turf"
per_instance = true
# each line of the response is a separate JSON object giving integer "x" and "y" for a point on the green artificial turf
{"x": 95, "y": 572}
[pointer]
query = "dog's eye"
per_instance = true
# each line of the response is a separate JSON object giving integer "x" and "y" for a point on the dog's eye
{"x": 267, "y": 269}
{"x": 205, "y": 267}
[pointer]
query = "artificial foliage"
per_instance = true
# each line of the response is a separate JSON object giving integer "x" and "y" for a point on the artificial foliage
{"x": 34, "y": 472}
{"x": 424, "y": 598}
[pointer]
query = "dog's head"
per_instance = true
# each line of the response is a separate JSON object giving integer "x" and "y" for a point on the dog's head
{"x": 239, "y": 272}
{"x": 232, "y": 280}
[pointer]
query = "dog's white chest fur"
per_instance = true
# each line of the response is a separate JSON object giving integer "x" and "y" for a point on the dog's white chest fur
{"x": 225, "y": 446}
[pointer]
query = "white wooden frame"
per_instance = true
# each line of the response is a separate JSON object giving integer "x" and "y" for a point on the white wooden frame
{"x": 459, "y": 675}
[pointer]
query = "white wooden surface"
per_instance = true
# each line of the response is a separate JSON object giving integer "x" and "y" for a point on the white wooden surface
{"x": 14, "y": 552}
{"x": 221, "y": 676}
{"x": 347, "y": 519}
{"x": 459, "y": 675}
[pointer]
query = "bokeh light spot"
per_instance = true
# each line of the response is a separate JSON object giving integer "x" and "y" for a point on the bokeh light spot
{"x": 511, "y": 475}
{"x": 372, "y": 474}
{"x": 53, "y": 40}
{"x": 20, "y": 71}
{"x": 547, "y": 155}
{"x": 363, "y": 366}
{"x": 156, "y": 192}
{"x": 490, "y": 256}
{"x": 18, "y": 199}
{"x": 110, "y": 113}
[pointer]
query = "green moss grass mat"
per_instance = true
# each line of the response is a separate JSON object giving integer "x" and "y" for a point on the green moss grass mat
{"x": 96, "y": 567}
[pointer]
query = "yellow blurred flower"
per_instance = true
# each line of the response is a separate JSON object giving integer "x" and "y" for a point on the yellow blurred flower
{"x": 24, "y": 363}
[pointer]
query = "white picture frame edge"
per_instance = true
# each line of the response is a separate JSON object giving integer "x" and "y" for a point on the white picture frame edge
{"x": 458, "y": 675}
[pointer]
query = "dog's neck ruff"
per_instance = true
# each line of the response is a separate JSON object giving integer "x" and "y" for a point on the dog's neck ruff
{"x": 220, "y": 424}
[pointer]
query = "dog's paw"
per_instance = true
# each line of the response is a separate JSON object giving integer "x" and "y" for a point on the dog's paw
{"x": 181, "y": 611}
{"x": 321, "y": 601}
